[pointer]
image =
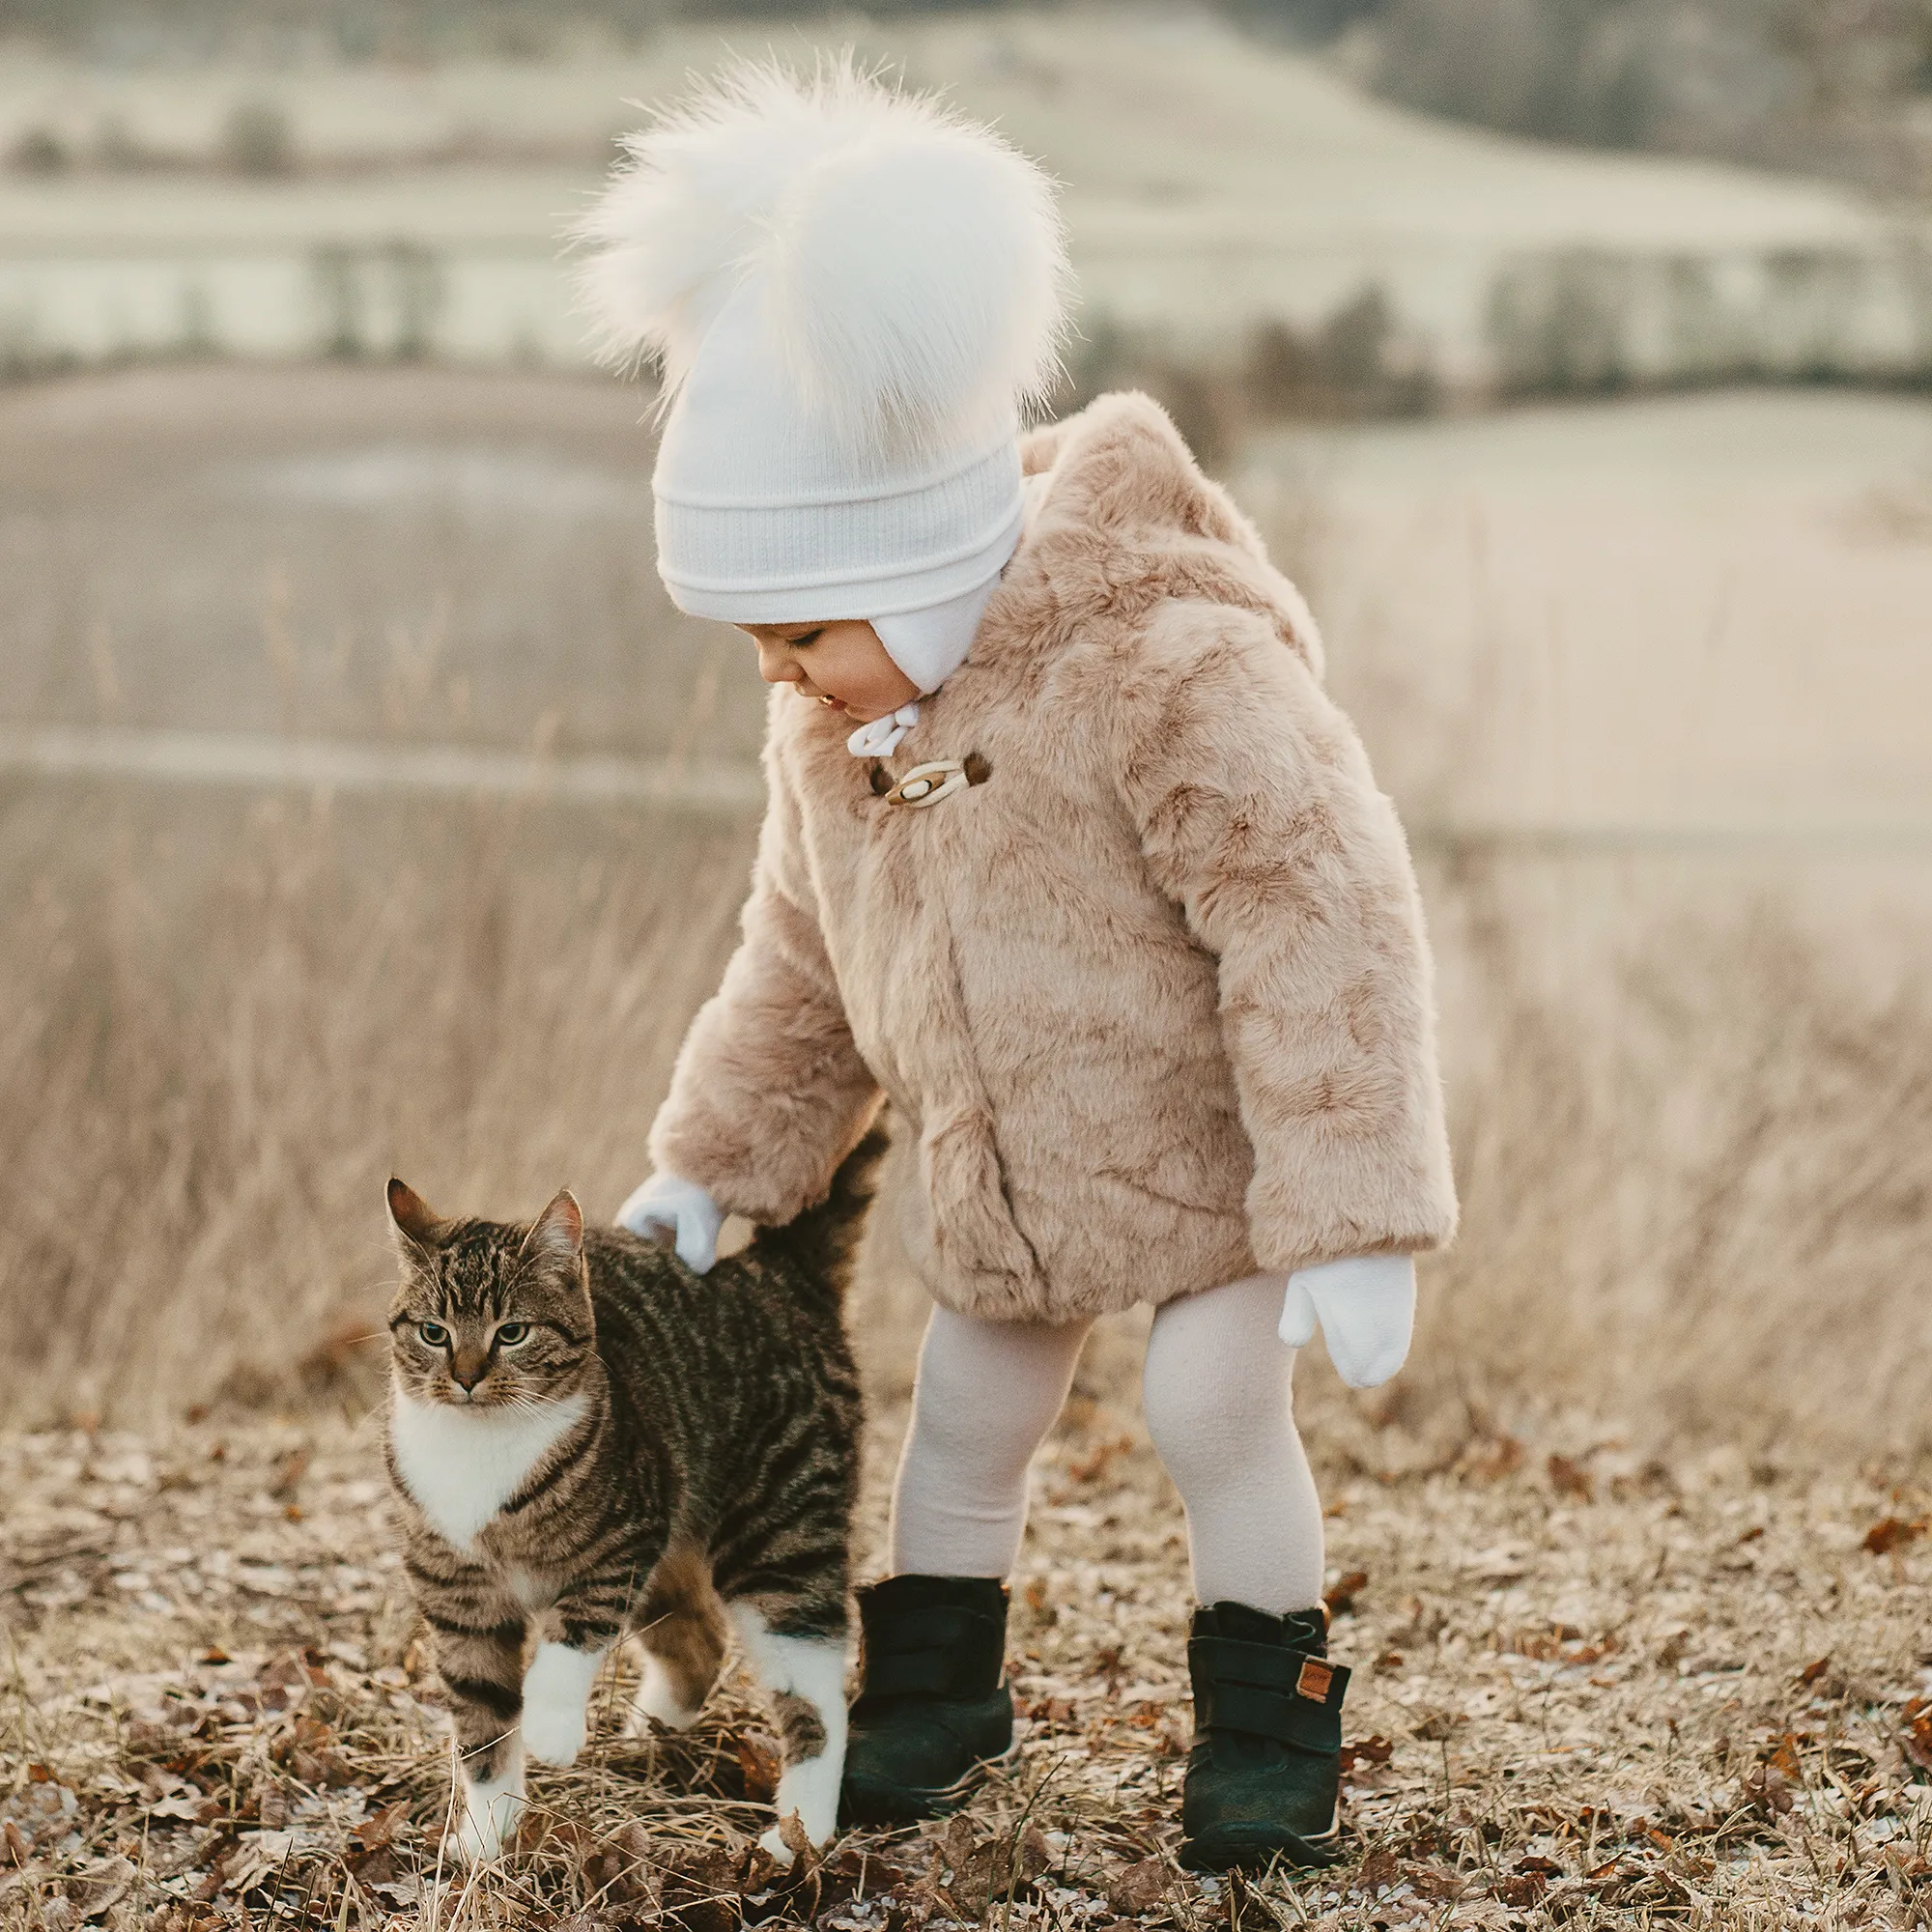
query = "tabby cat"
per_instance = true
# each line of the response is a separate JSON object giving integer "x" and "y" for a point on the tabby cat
{"x": 588, "y": 1440}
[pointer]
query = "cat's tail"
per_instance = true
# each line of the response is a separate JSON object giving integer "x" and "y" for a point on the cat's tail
{"x": 824, "y": 1241}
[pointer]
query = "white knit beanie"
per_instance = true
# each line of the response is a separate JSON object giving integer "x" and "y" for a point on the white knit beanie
{"x": 853, "y": 293}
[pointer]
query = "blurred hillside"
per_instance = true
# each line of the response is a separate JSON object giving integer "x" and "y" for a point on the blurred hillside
{"x": 313, "y": 680}
{"x": 1840, "y": 86}
{"x": 1256, "y": 236}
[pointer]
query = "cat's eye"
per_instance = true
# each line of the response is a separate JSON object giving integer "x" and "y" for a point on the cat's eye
{"x": 434, "y": 1334}
{"x": 512, "y": 1333}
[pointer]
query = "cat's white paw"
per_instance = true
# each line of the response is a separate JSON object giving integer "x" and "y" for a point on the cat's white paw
{"x": 490, "y": 1815}
{"x": 808, "y": 1671}
{"x": 807, "y": 1797}
{"x": 478, "y": 1841}
{"x": 554, "y": 1733}
{"x": 795, "y": 1831}
{"x": 556, "y": 1691}
{"x": 657, "y": 1700}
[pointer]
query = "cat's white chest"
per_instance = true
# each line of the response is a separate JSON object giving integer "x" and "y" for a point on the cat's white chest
{"x": 462, "y": 1466}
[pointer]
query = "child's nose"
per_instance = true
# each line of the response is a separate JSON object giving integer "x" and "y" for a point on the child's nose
{"x": 776, "y": 664}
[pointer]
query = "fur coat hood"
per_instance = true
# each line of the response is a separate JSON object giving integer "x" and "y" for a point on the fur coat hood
{"x": 1151, "y": 995}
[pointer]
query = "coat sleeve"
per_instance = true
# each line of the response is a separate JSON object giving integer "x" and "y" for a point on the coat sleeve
{"x": 769, "y": 1091}
{"x": 1260, "y": 819}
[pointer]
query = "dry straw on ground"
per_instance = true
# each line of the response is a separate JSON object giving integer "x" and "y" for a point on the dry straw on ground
{"x": 1597, "y": 1690}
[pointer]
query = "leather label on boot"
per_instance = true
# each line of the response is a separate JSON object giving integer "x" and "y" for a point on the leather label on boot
{"x": 1313, "y": 1680}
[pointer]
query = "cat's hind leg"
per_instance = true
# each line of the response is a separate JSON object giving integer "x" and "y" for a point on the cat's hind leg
{"x": 801, "y": 1663}
{"x": 681, "y": 1627}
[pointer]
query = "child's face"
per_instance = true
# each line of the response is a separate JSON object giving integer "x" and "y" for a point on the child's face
{"x": 841, "y": 664}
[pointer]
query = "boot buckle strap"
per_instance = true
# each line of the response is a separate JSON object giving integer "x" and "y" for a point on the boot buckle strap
{"x": 1288, "y": 1721}
{"x": 1229, "y": 1660}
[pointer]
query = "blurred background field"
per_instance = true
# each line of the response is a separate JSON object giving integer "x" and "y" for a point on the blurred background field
{"x": 1648, "y": 679}
{"x": 368, "y": 805}
{"x": 365, "y": 807}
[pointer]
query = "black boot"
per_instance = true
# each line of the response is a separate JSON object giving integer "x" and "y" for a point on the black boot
{"x": 1264, "y": 1775}
{"x": 933, "y": 1707}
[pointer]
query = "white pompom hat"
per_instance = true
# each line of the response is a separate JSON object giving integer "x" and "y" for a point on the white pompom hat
{"x": 853, "y": 294}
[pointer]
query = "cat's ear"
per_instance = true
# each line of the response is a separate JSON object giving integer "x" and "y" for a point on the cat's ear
{"x": 413, "y": 1219}
{"x": 558, "y": 1234}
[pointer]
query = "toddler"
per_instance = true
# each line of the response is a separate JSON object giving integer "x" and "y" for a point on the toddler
{"x": 1069, "y": 859}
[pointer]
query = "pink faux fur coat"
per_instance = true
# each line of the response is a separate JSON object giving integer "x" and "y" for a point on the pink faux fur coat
{"x": 1153, "y": 998}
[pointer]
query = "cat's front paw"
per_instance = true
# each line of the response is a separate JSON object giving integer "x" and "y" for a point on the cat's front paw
{"x": 556, "y": 1694}
{"x": 554, "y": 1733}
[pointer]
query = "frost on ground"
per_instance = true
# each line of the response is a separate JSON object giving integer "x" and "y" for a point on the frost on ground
{"x": 1590, "y": 1689}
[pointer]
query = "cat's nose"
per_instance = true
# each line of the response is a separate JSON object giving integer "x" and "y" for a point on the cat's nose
{"x": 467, "y": 1379}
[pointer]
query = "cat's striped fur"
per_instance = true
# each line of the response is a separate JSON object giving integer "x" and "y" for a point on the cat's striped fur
{"x": 587, "y": 1440}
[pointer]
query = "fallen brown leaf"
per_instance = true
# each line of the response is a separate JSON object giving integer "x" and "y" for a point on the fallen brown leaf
{"x": 1340, "y": 1597}
{"x": 1570, "y": 1479}
{"x": 1374, "y": 1749}
{"x": 761, "y": 1763}
{"x": 1139, "y": 1888}
{"x": 1378, "y": 1870}
{"x": 1494, "y": 1458}
{"x": 1894, "y": 1533}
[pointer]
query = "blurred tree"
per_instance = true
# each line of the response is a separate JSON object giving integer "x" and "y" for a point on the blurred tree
{"x": 1566, "y": 70}
{"x": 518, "y": 29}
{"x": 1560, "y": 323}
{"x": 39, "y": 150}
{"x": 258, "y": 140}
{"x": 1308, "y": 22}
{"x": 1800, "y": 83}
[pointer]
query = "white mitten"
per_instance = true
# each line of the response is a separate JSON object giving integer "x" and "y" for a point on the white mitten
{"x": 1366, "y": 1306}
{"x": 681, "y": 1208}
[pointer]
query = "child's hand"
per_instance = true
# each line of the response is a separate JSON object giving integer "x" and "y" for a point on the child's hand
{"x": 668, "y": 1203}
{"x": 1366, "y": 1307}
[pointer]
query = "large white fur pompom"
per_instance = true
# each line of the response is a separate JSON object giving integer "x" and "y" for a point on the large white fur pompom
{"x": 909, "y": 265}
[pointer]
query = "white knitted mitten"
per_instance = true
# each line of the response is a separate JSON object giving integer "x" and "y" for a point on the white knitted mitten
{"x": 1366, "y": 1307}
{"x": 682, "y": 1209}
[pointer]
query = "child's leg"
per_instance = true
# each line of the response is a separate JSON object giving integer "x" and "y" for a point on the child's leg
{"x": 987, "y": 1395}
{"x": 1221, "y": 1407}
{"x": 934, "y": 1707}
{"x": 1263, "y": 1777}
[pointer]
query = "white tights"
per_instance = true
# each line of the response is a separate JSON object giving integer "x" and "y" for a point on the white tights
{"x": 1218, "y": 1384}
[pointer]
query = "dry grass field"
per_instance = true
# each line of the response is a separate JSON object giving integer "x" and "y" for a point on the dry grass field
{"x": 1630, "y": 1560}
